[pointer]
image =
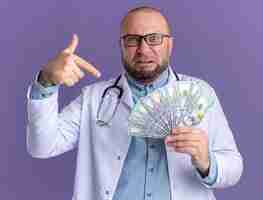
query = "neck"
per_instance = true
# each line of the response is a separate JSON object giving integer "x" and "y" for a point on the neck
{"x": 148, "y": 81}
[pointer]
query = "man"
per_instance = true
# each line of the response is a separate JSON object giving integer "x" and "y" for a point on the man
{"x": 187, "y": 165}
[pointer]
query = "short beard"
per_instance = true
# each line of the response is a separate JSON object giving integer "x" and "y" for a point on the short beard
{"x": 145, "y": 76}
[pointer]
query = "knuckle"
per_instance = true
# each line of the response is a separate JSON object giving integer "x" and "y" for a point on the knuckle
{"x": 59, "y": 76}
{"x": 67, "y": 59}
{"x": 65, "y": 54}
{"x": 68, "y": 69}
{"x": 62, "y": 77}
{"x": 67, "y": 66}
{"x": 195, "y": 151}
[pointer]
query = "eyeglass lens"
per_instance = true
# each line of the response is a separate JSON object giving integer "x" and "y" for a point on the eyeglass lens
{"x": 151, "y": 39}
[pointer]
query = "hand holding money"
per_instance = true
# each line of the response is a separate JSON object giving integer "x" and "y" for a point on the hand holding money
{"x": 192, "y": 141}
{"x": 67, "y": 68}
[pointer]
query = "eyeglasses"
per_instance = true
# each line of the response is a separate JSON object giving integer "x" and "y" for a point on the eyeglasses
{"x": 152, "y": 39}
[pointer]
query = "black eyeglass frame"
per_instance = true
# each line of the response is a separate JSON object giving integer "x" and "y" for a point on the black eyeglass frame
{"x": 144, "y": 37}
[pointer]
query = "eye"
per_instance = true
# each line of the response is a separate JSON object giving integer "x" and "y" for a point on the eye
{"x": 131, "y": 39}
{"x": 154, "y": 38}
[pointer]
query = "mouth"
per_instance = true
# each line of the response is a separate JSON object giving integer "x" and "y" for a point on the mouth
{"x": 144, "y": 62}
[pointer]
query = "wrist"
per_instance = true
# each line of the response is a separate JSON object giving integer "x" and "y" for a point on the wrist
{"x": 204, "y": 171}
{"x": 42, "y": 80}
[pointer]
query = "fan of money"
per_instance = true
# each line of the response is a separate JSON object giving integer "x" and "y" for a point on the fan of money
{"x": 182, "y": 103}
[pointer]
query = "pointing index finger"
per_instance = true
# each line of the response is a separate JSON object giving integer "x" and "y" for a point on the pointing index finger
{"x": 86, "y": 66}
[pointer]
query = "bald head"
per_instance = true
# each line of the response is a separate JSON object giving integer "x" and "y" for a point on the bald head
{"x": 144, "y": 18}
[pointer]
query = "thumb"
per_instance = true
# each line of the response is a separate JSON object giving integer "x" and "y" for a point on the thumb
{"x": 72, "y": 45}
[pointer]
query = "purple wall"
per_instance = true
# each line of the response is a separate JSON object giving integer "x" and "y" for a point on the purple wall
{"x": 220, "y": 41}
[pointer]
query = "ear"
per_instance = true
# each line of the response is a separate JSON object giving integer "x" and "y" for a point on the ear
{"x": 170, "y": 45}
{"x": 120, "y": 42}
{"x": 121, "y": 46}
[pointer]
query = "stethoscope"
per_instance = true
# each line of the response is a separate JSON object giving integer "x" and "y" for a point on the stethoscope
{"x": 103, "y": 122}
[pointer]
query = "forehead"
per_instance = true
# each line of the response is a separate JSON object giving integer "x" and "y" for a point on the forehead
{"x": 144, "y": 23}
